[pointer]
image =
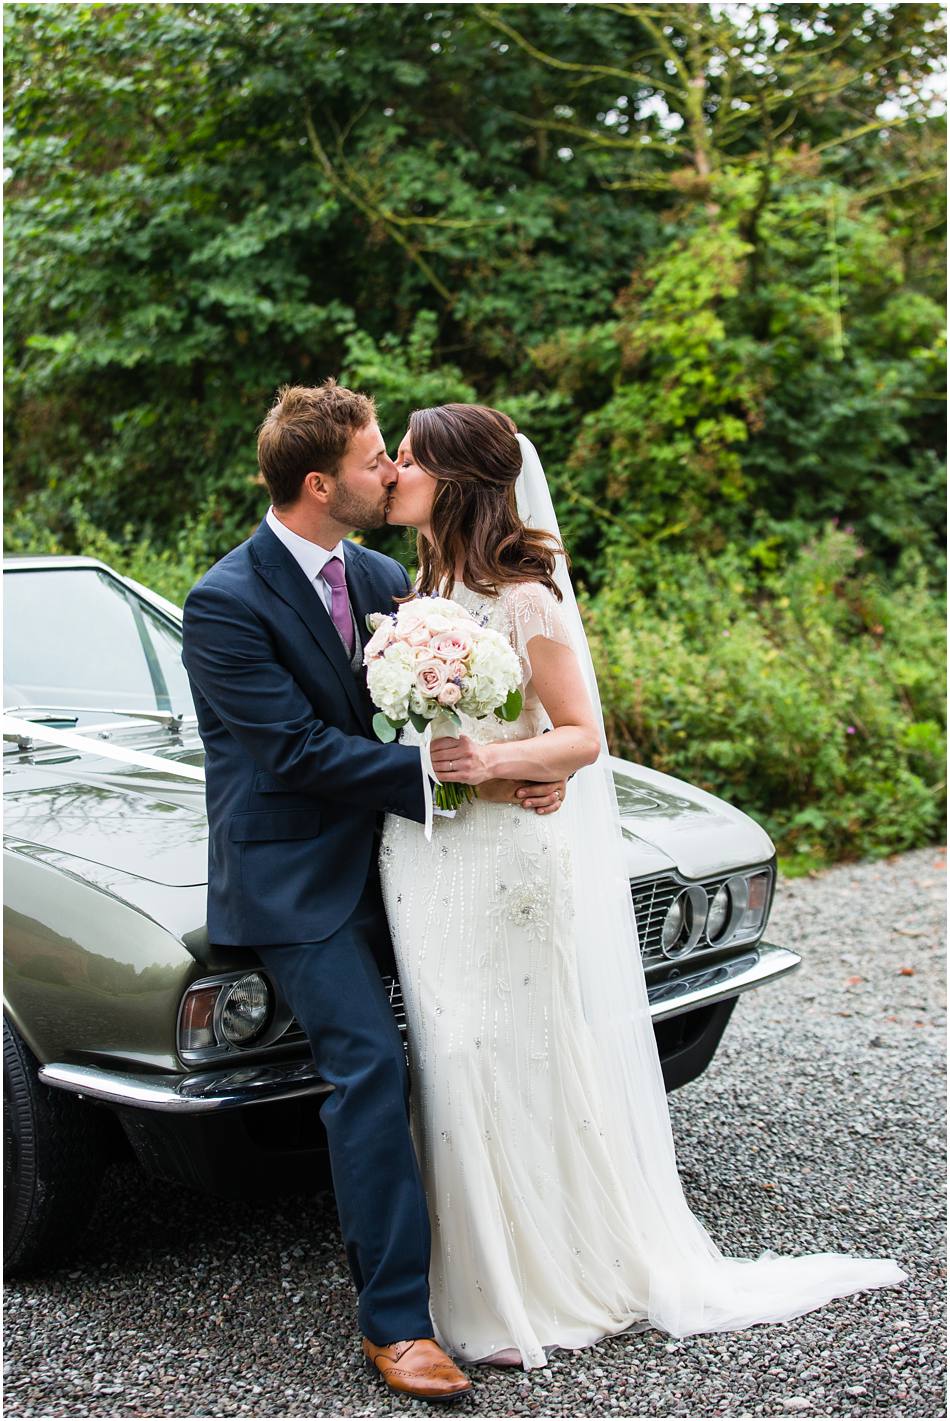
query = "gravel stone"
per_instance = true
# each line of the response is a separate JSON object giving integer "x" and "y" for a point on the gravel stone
{"x": 819, "y": 1126}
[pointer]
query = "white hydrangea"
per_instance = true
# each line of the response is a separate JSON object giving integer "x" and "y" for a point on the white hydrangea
{"x": 444, "y": 607}
{"x": 494, "y": 670}
{"x": 390, "y": 679}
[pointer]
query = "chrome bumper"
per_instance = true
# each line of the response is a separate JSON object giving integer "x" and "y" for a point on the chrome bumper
{"x": 705, "y": 985}
{"x": 194, "y": 1094}
{"x": 198, "y": 1093}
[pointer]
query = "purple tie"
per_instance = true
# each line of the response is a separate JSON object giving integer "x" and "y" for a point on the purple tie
{"x": 334, "y": 576}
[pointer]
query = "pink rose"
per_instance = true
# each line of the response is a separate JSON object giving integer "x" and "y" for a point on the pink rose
{"x": 450, "y": 694}
{"x": 454, "y": 670}
{"x": 379, "y": 641}
{"x": 430, "y": 676}
{"x": 452, "y": 646}
{"x": 416, "y": 635}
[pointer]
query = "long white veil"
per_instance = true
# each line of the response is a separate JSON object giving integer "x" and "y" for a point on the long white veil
{"x": 693, "y": 1286}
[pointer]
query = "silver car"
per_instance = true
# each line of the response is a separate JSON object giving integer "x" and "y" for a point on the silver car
{"x": 126, "y": 1030}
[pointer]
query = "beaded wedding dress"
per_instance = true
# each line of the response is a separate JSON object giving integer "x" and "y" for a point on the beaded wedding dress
{"x": 527, "y": 1214}
{"x": 540, "y": 1236}
{"x": 538, "y": 1106}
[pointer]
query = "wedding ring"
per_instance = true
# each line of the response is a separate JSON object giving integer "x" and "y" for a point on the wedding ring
{"x": 451, "y": 767}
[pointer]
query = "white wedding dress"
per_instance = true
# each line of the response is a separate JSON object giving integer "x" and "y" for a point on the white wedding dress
{"x": 542, "y": 1236}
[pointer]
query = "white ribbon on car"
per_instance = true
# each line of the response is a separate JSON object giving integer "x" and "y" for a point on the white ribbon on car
{"x": 69, "y": 740}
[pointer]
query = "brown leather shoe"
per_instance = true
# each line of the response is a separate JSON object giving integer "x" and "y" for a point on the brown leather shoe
{"x": 417, "y": 1368}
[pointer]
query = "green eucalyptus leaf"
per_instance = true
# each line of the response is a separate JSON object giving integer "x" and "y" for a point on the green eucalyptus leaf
{"x": 384, "y": 728}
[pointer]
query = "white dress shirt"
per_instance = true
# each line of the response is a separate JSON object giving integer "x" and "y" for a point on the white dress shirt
{"x": 311, "y": 556}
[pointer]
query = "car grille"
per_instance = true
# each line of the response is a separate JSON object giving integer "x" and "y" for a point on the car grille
{"x": 395, "y": 1001}
{"x": 651, "y": 902}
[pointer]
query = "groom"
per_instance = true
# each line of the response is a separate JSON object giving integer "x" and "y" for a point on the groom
{"x": 296, "y": 783}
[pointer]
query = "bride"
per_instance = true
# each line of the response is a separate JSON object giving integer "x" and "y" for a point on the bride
{"x": 539, "y": 1109}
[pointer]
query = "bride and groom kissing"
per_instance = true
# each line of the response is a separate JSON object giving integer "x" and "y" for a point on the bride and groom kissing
{"x": 514, "y": 1190}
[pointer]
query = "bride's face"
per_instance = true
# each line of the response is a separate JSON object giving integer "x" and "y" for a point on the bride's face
{"x": 410, "y": 499}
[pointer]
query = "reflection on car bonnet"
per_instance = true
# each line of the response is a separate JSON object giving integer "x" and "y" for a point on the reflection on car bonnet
{"x": 30, "y": 730}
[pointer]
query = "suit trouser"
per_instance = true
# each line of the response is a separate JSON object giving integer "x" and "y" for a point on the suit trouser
{"x": 336, "y": 993}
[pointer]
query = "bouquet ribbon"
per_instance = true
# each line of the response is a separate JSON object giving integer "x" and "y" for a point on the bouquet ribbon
{"x": 428, "y": 775}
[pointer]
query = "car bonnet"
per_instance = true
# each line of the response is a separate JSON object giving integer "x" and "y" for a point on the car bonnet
{"x": 136, "y": 820}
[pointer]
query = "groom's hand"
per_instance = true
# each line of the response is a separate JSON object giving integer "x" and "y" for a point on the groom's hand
{"x": 542, "y": 798}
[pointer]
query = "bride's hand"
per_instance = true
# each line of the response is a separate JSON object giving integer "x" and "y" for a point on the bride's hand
{"x": 461, "y": 761}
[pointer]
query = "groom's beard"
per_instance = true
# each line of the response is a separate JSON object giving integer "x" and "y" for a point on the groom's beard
{"x": 355, "y": 511}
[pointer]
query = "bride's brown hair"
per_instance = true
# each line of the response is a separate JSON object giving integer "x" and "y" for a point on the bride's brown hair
{"x": 473, "y": 454}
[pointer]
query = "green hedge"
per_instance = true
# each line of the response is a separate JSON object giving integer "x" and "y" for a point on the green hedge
{"x": 812, "y": 698}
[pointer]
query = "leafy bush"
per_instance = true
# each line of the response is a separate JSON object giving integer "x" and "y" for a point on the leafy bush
{"x": 723, "y": 327}
{"x": 814, "y": 700}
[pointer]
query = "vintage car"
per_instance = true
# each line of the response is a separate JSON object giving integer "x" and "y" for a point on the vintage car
{"x": 126, "y": 1030}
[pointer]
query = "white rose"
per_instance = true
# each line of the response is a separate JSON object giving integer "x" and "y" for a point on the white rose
{"x": 407, "y": 618}
{"x": 421, "y": 704}
{"x": 454, "y": 611}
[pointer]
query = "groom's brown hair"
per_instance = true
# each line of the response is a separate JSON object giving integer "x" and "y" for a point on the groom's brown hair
{"x": 308, "y": 428}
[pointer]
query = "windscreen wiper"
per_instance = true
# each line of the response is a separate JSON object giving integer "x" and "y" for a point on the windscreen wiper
{"x": 62, "y": 714}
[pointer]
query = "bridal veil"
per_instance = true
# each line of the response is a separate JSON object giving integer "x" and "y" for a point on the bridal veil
{"x": 693, "y": 1286}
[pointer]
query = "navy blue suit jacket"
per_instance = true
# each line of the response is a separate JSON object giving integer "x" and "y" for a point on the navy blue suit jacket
{"x": 295, "y": 777}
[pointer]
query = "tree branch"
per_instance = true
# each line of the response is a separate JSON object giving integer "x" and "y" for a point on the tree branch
{"x": 629, "y": 76}
{"x": 865, "y": 194}
{"x": 374, "y": 214}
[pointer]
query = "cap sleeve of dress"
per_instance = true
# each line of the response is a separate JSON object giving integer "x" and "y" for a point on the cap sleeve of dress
{"x": 535, "y": 612}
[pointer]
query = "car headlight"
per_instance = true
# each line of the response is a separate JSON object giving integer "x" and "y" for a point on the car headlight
{"x": 738, "y": 908}
{"x": 684, "y": 921}
{"x": 672, "y": 924}
{"x": 242, "y": 1010}
{"x": 719, "y": 912}
{"x": 224, "y": 1013}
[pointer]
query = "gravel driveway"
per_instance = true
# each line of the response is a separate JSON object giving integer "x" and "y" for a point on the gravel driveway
{"x": 819, "y": 1126}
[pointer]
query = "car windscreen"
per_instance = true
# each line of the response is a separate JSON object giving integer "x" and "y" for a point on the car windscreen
{"x": 76, "y": 638}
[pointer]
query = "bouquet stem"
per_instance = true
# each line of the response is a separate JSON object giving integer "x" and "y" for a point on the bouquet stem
{"x": 449, "y": 796}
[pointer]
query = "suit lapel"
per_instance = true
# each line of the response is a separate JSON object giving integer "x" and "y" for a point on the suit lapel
{"x": 285, "y": 577}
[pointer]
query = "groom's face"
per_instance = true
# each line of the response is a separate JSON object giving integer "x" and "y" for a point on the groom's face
{"x": 359, "y": 492}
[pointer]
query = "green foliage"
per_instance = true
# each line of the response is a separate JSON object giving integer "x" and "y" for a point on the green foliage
{"x": 710, "y": 289}
{"x": 512, "y": 708}
{"x": 815, "y": 703}
{"x": 385, "y": 728}
{"x": 751, "y": 401}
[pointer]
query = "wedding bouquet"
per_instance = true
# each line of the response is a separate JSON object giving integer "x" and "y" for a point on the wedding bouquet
{"x": 431, "y": 659}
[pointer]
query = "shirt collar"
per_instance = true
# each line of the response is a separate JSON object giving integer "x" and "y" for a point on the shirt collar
{"x": 311, "y": 556}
